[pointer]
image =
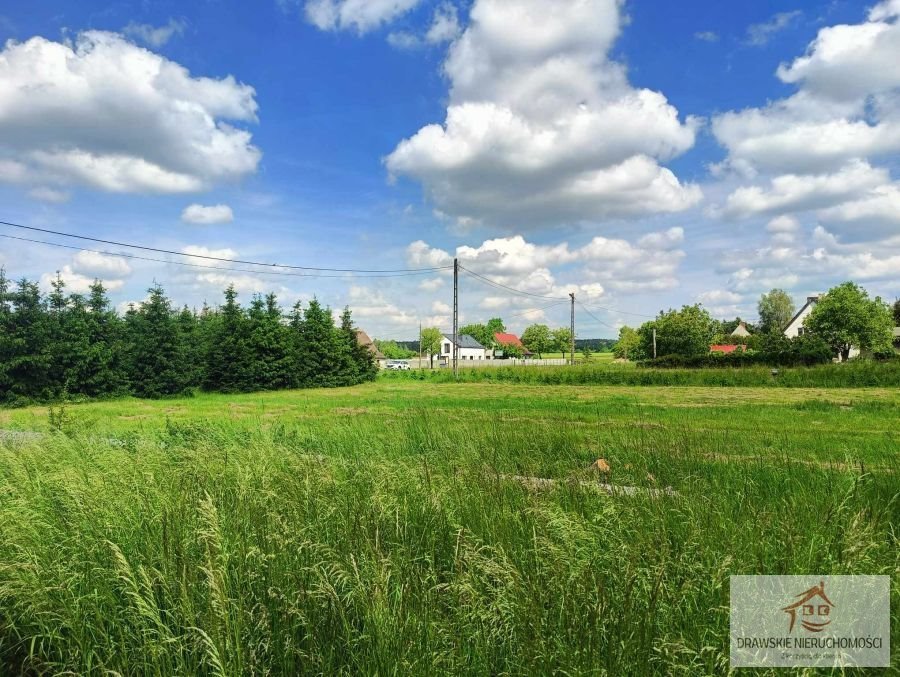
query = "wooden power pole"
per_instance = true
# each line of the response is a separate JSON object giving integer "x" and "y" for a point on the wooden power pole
{"x": 572, "y": 331}
{"x": 455, "y": 318}
{"x": 654, "y": 344}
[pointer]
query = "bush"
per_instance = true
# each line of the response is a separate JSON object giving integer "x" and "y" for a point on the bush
{"x": 858, "y": 374}
{"x": 771, "y": 351}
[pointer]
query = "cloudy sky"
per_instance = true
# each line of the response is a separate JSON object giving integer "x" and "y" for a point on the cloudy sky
{"x": 642, "y": 154}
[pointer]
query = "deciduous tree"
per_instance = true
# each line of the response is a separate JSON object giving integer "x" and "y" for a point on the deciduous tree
{"x": 776, "y": 309}
{"x": 846, "y": 317}
{"x": 562, "y": 340}
{"x": 431, "y": 343}
{"x": 684, "y": 332}
{"x": 538, "y": 339}
{"x": 628, "y": 345}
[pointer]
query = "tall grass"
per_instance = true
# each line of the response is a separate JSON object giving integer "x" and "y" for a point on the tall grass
{"x": 851, "y": 375}
{"x": 353, "y": 546}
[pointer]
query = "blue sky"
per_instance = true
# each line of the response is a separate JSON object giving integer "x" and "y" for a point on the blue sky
{"x": 641, "y": 154}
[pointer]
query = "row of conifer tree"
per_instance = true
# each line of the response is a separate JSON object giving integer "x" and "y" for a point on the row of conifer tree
{"x": 65, "y": 344}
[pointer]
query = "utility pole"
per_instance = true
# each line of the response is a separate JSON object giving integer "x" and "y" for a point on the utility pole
{"x": 420, "y": 345}
{"x": 455, "y": 318}
{"x": 572, "y": 331}
{"x": 654, "y": 344}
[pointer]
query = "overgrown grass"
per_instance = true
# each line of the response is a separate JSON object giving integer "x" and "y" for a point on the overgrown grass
{"x": 860, "y": 374}
{"x": 390, "y": 537}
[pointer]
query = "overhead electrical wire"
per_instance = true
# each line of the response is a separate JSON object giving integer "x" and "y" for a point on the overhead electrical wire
{"x": 621, "y": 312}
{"x": 594, "y": 316}
{"x": 511, "y": 289}
{"x": 252, "y": 271}
{"x": 535, "y": 310}
{"x": 218, "y": 258}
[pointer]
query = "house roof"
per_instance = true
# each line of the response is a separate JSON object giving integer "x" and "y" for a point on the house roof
{"x": 510, "y": 340}
{"x": 465, "y": 341}
{"x": 809, "y": 301}
{"x": 365, "y": 340}
{"x": 741, "y": 330}
{"x": 725, "y": 349}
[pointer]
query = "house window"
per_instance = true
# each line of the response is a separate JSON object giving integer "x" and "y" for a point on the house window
{"x": 800, "y": 331}
{"x": 446, "y": 349}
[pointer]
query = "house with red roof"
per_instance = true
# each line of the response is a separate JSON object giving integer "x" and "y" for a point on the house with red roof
{"x": 504, "y": 339}
{"x": 727, "y": 348}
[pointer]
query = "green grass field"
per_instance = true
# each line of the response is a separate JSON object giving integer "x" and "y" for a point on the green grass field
{"x": 390, "y": 528}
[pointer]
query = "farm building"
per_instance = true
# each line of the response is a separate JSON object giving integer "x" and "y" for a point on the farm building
{"x": 502, "y": 339}
{"x": 469, "y": 349}
{"x": 363, "y": 339}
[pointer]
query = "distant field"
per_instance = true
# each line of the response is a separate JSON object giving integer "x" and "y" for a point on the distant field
{"x": 393, "y": 528}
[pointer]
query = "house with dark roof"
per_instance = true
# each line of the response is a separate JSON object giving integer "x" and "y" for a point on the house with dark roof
{"x": 468, "y": 349}
{"x": 795, "y": 327}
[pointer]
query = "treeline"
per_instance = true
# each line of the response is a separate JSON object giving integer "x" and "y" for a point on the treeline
{"x": 842, "y": 321}
{"x": 75, "y": 344}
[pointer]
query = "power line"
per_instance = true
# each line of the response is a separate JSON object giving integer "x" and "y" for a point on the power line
{"x": 595, "y": 317}
{"x": 621, "y": 312}
{"x": 252, "y": 271}
{"x": 217, "y": 258}
{"x": 511, "y": 289}
{"x": 535, "y": 310}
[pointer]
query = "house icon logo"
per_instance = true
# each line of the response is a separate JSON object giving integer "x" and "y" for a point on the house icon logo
{"x": 812, "y": 609}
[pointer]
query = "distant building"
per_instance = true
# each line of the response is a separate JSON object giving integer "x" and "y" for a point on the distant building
{"x": 741, "y": 330}
{"x": 468, "y": 349}
{"x": 363, "y": 339}
{"x": 502, "y": 339}
{"x": 727, "y": 348}
{"x": 795, "y": 327}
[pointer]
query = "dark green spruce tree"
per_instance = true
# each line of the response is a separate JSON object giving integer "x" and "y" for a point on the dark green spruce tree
{"x": 320, "y": 350}
{"x": 28, "y": 362}
{"x": 106, "y": 360}
{"x": 228, "y": 358}
{"x": 362, "y": 366}
{"x": 157, "y": 354}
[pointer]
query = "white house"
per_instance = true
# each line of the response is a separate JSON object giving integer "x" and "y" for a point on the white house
{"x": 795, "y": 327}
{"x": 469, "y": 349}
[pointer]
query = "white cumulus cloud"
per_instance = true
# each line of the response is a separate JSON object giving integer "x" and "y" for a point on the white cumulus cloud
{"x": 102, "y": 112}
{"x": 819, "y": 148}
{"x": 542, "y": 127}
{"x": 205, "y": 215}
{"x": 359, "y": 15}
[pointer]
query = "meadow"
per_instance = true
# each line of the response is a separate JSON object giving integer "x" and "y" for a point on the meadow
{"x": 399, "y": 527}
